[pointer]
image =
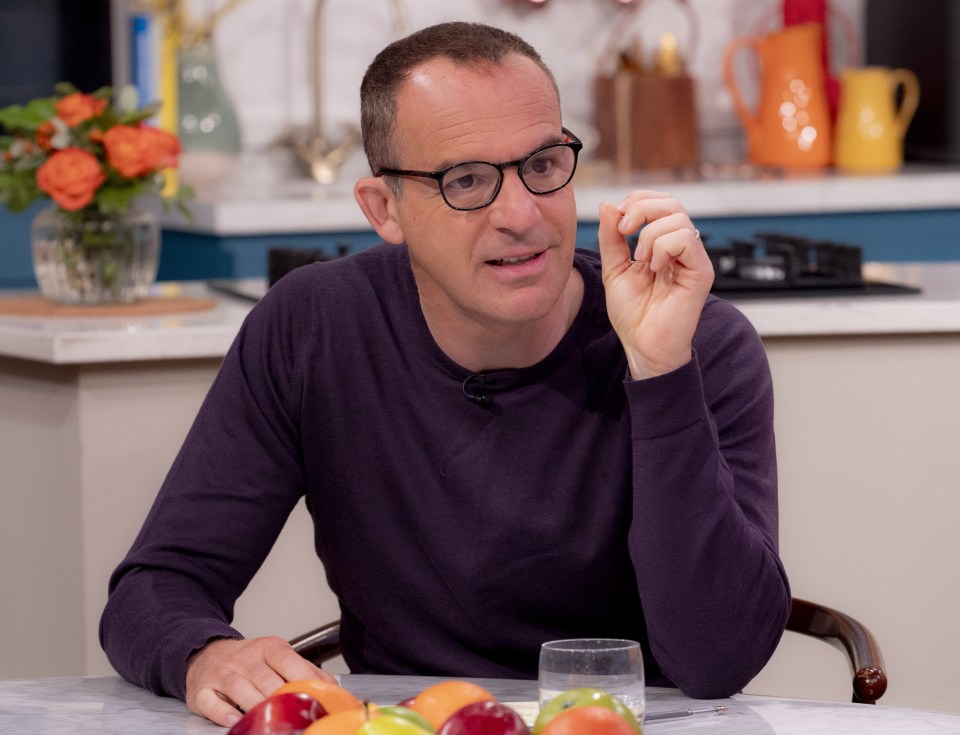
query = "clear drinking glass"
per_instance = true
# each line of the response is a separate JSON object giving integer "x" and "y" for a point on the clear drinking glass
{"x": 614, "y": 665}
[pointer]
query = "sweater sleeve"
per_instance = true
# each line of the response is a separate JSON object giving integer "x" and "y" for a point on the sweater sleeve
{"x": 221, "y": 507}
{"x": 703, "y": 539}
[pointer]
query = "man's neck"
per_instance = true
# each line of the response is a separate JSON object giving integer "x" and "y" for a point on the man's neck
{"x": 484, "y": 346}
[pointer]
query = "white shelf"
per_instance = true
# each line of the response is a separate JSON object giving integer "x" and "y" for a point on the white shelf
{"x": 301, "y": 207}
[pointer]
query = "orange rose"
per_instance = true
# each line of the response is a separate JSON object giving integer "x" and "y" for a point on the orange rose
{"x": 77, "y": 107}
{"x": 139, "y": 151}
{"x": 163, "y": 148}
{"x": 71, "y": 177}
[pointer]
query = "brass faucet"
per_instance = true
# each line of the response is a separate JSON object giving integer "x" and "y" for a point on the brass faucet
{"x": 313, "y": 149}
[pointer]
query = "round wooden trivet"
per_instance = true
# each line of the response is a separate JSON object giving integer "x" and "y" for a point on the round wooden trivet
{"x": 149, "y": 306}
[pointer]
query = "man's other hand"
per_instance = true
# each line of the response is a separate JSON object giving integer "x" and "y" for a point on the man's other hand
{"x": 228, "y": 677}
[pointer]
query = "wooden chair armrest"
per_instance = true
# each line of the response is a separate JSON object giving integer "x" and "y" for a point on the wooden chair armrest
{"x": 320, "y": 644}
{"x": 845, "y": 633}
{"x": 808, "y": 618}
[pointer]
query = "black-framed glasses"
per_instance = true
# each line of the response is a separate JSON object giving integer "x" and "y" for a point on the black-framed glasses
{"x": 475, "y": 184}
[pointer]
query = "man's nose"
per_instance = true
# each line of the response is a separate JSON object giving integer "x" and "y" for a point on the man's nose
{"x": 516, "y": 207}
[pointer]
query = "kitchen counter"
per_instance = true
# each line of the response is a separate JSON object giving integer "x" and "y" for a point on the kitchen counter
{"x": 93, "y": 412}
{"x": 78, "y": 340}
{"x": 208, "y": 334}
{"x": 302, "y": 206}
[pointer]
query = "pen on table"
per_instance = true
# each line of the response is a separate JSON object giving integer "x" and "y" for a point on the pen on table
{"x": 673, "y": 714}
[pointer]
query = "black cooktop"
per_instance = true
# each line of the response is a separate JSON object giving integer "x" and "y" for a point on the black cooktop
{"x": 773, "y": 264}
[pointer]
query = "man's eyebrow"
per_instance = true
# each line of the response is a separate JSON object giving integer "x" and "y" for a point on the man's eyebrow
{"x": 548, "y": 141}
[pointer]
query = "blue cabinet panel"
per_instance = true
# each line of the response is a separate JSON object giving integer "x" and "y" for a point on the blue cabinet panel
{"x": 925, "y": 235}
{"x": 188, "y": 256}
{"x": 16, "y": 262}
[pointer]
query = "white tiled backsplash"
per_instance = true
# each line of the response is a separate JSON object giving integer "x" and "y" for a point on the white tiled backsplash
{"x": 262, "y": 47}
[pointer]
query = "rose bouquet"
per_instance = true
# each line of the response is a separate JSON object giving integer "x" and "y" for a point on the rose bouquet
{"x": 85, "y": 151}
{"x": 94, "y": 155}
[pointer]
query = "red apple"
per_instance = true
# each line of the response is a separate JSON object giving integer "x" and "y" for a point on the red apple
{"x": 289, "y": 713}
{"x": 484, "y": 718}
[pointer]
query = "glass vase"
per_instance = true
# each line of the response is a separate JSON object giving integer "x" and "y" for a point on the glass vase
{"x": 92, "y": 258}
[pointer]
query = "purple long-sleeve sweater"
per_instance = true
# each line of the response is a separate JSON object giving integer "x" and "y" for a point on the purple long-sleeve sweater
{"x": 458, "y": 536}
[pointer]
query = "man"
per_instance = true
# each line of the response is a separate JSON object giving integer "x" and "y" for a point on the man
{"x": 501, "y": 440}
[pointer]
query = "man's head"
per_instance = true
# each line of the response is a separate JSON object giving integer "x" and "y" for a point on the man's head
{"x": 465, "y": 44}
{"x": 491, "y": 247}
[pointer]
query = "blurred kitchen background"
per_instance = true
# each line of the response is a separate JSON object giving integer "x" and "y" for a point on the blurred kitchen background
{"x": 866, "y": 388}
{"x": 266, "y": 104}
{"x": 263, "y": 52}
{"x": 262, "y": 49}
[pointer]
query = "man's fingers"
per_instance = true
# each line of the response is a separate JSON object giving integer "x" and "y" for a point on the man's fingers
{"x": 263, "y": 681}
{"x": 679, "y": 244}
{"x": 209, "y": 704}
{"x": 247, "y": 689}
{"x": 292, "y": 666}
{"x": 614, "y": 251}
{"x": 653, "y": 233}
{"x": 642, "y": 206}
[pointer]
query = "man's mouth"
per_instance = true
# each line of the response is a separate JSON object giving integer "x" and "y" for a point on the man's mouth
{"x": 514, "y": 261}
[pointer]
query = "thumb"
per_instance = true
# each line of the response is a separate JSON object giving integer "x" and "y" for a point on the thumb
{"x": 614, "y": 251}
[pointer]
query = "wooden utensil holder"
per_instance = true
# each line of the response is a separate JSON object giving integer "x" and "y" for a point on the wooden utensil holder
{"x": 646, "y": 121}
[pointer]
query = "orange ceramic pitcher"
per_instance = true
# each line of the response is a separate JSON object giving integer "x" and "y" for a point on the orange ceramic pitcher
{"x": 791, "y": 126}
{"x": 871, "y": 125}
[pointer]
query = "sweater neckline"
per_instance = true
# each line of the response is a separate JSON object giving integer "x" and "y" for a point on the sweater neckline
{"x": 508, "y": 377}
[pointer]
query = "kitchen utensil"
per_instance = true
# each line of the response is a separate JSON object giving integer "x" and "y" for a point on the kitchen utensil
{"x": 645, "y": 110}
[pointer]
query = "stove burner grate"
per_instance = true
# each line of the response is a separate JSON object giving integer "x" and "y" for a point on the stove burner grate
{"x": 778, "y": 264}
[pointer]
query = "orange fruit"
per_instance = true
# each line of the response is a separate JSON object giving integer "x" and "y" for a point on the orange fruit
{"x": 439, "y": 701}
{"x": 588, "y": 720}
{"x": 345, "y": 722}
{"x": 333, "y": 697}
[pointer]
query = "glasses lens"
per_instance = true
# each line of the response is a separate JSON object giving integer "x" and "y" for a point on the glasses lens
{"x": 471, "y": 185}
{"x": 549, "y": 169}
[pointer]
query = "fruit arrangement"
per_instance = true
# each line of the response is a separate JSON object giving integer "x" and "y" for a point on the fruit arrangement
{"x": 453, "y": 707}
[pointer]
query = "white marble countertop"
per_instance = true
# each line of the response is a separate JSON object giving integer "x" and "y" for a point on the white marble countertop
{"x": 935, "y": 310}
{"x": 80, "y": 340}
{"x": 208, "y": 334}
{"x": 108, "y": 706}
{"x": 302, "y": 206}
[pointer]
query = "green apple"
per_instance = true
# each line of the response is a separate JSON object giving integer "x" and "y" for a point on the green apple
{"x": 399, "y": 710}
{"x": 394, "y": 725}
{"x": 581, "y": 697}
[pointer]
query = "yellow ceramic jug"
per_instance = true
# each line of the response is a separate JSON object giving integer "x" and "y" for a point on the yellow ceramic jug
{"x": 791, "y": 126}
{"x": 870, "y": 123}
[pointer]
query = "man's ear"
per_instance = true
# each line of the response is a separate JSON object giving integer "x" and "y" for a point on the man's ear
{"x": 378, "y": 203}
